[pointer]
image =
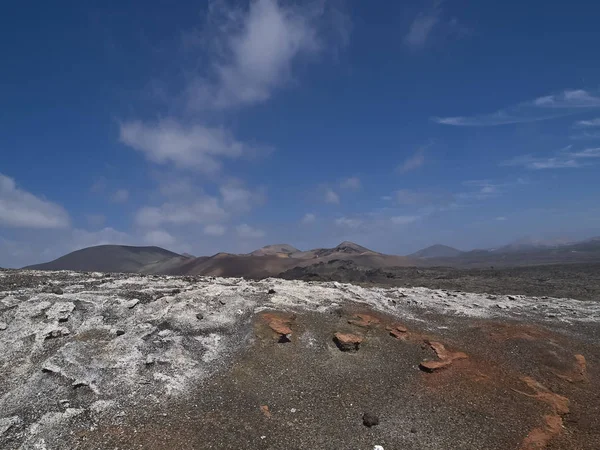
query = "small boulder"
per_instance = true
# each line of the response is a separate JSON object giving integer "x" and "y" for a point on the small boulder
{"x": 347, "y": 342}
{"x": 56, "y": 290}
{"x": 199, "y": 316}
{"x": 271, "y": 291}
{"x": 370, "y": 420}
{"x": 3, "y": 326}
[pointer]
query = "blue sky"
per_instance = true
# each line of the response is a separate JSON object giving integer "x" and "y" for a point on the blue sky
{"x": 225, "y": 126}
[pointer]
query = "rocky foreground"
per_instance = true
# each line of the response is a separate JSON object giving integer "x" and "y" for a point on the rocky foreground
{"x": 94, "y": 361}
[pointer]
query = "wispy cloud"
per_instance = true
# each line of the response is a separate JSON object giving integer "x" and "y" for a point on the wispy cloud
{"x": 309, "y": 218}
{"x": 352, "y": 183}
{"x": 331, "y": 196}
{"x": 586, "y": 136}
{"x": 160, "y": 238}
{"x": 422, "y": 27}
{"x": 561, "y": 160}
{"x": 429, "y": 23}
{"x": 348, "y": 222}
{"x": 548, "y": 107}
{"x": 247, "y": 232}
{"x": 404, "y": 220}
{"x": 120, "y": 196}
{"x": 587, "y": 123}
{"x": 21, "y": 209}
{"x": 415, "y": 161}
{"x": 203, "y": 210}
{"x": 215, "y": 230}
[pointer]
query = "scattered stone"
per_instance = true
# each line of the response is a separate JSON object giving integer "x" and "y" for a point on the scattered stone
{"x": 56, "y": 290}
{"x": 272, "y": 291}
{"x": 60, "y": 311}
{"x": 433, "y": 366}
{"x": 413, "y": 430}
{"x": 398, "y": 331}
{"x": 378, "y": 447}
{"x": 446, "y": 358}
{"x": 119, "y": 332}
{"x": 511, "y": 297}
{"x": 131, "y": 303}
{"x": 176, "y": 291}
{"x": 199, "y": 316}
{"x": 57, "y": 332}
{"x": 7, "y": 423}
{"x": 370, "y": 420}
{"x": 347, "y": 342}
{"x": 150, "y": 360}
{"x": 265, "y": 410}
{"x": 222, "y": 302}
{"x": 280, "y": 325}
{"x": 3, "y": 326}
{"x": 65, "y": 403}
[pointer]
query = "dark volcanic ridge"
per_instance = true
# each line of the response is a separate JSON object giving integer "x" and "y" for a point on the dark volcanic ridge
{"x": 285, "y": 260}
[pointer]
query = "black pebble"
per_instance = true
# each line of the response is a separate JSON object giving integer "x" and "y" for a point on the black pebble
{"x": 370, "y": 420}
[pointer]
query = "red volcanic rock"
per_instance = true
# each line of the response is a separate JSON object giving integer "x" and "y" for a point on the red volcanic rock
{"x": 364, "y": 320}
{"x": 265, "y": 410}
{"x": 347, "y": 342}
{"x": 434, "y": 366}
{"x": 446, "y": 357}
{"x": 398, "y": 331}
{"x": 280, "y": 325}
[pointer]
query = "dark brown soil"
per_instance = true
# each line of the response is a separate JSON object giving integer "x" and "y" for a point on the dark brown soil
{"x": 307, "y": 394}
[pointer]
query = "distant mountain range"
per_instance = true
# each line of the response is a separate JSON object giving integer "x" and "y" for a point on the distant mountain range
{"x": 286, "y": 260}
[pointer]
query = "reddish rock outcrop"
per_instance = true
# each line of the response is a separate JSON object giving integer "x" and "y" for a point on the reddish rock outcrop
{"x": 398, "y": 331}
{"x": 347, "y": 342}
{"x": 552, "y": 424}
{"x": 364, "y": 320}
{"x": 280, "y": 325}
{"x": 446, "y": 357}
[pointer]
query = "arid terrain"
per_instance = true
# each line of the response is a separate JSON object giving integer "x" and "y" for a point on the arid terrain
{"x": 95, "y": 361}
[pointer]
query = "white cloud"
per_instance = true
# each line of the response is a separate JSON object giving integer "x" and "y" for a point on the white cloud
{"x": 257, "y": 48}
{"x": 95, "y": 220}
{"x": 194, "y": 147}
{"x": 120, "y": 196}
{"x": 562, "y": 160}
{"x": 246, "y": 231}
{"x": 347, "y": 222}
{"x": 309, "y": 218}
{"x": 588, "y": 123}
{"x": 214, "y": 230}
{"x": 548, "y": 107}
{"x": 352, "y": 183}
{"x": 413, "y": 162}
{"x": 422, "y": 27}
{"x": 159, "y": 238}
{"x": 205, "y": 209}
{"x": 409, "y": 197}
{"x": 237, "y": 198}
{"x": 501, "y": 218}
{"x": 331, "y": 196}
{"x": 430, "y": 24}
{"x": 404, "y": 220}
{"x": 21, "y": 209}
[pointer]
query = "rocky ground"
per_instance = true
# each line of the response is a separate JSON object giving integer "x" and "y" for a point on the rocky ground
{"x": 95, "y": 361}
{"x": 580, "y": 281}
